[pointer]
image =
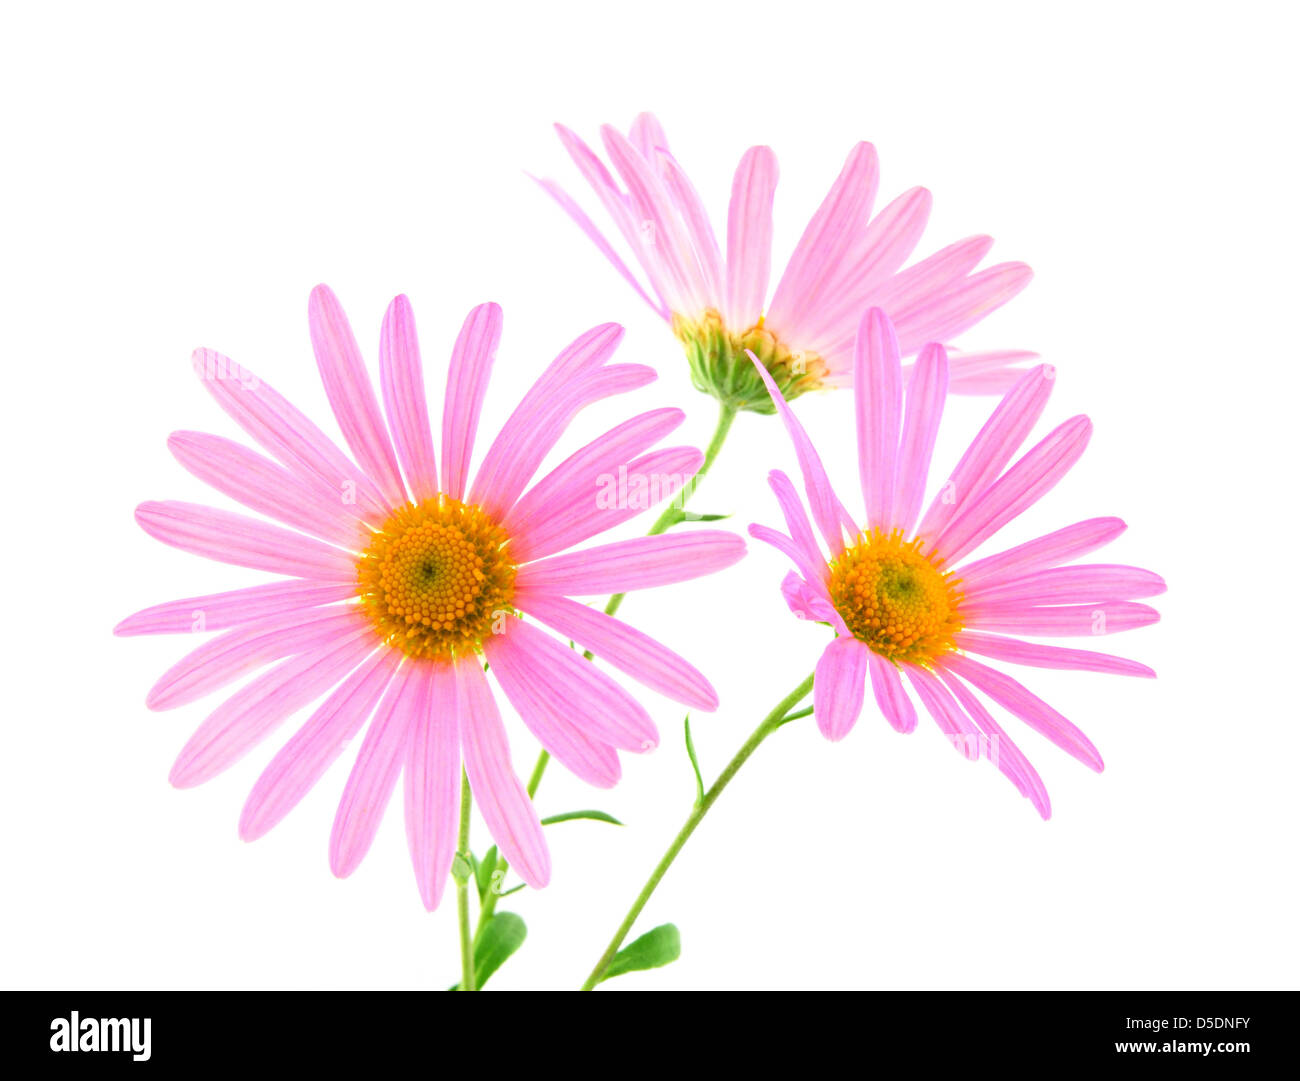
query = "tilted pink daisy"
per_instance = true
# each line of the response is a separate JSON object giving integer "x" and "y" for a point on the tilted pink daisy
{"x": 845, "y": 262}
{"x": 400, "y": 579}
{"x": 905, "y": 600}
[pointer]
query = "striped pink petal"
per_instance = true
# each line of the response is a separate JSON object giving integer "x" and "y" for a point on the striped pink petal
{"x": 1065, "y": 544}
{"x": 249, "y": 715}
{"x": 1040, "y": 656}
{"x": 961, "y": 308}
{"x": 223, "y": 659}
{"x": 268, "y": 488}
{"x": 925, "y": 397}
{"x": 510, "y": 815}
{"x": 220, "y": 611}
{"x": 1001, "y": 750}
{"x": 924, "y": 281}
{"x": 287, "y": 435}
{"x": 549, "y": 720}
{"x": 627, "y": 649}
{"x": 379, "y": 762}
{"x": 887, "y": 686}
{"x": 467, "y": 381}
{"x": 1064, "y": 620}
{"x": 432, "y": 783}
{"x": 810, "y": 602}
{"x": 303, "y": 760}
{"x": 749, "y": 236}
{"x": 808, "y": 556}
{"x": 647, "y": 135}
{"x": 1031, "y": 709}
{"x": 642, "y": 563}
{"x": 948, "y": 715}
{"x": 621, "y": 494}
{"x": 1082, "y": 583}
{"x": 695, "y": 218}
{"x": 991, "y": 450}
{"x": 878, "y": 400}
{"x": 243, "y": 541}
{"x": 821, "y": 496}
{"x": 401, "y": 380}
{"x": 839, "y": 686}
{"x": 351, "y": 394}
{"x": 1026, "y": 482}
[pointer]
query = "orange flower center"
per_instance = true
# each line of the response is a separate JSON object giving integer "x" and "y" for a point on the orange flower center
{"x": 895, "y": 599}
{"x": 436, "y": 577}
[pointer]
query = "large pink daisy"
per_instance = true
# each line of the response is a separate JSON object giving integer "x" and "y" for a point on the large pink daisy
{"x": 906, "y": 601}
{"x": 845, "y": 262}
{"x": 400, "y": 579}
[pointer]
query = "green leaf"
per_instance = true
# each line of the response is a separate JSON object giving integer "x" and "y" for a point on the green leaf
{"x": 677, "y": 515}
{"x": 654, "y": 949}
{"x": 505, "y": 932}
{"x": 483, "y": 872}
{"x": 695, "y": 765}
{"x": 569, "y": 816}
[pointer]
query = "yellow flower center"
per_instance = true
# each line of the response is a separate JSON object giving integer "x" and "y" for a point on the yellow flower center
{"x": 435, "y": 577}
{"x": 895, "y": 599}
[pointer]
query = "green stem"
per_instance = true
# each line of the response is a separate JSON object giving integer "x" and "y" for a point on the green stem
{"x": 462, "y": 890}
{"x": 669, "y": 518}
{"x": 767, "y": 726}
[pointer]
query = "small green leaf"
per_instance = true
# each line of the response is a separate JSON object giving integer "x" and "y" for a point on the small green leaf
{"x": 695, "y": 765}
{"x": 677, "y": 515}
{"x": 569, "y": 816}
{"x": 483, "y": 872}
{"x": 794, "y": 716}
{"x": 654, "y": 949}
{"x": 505, "y": 932}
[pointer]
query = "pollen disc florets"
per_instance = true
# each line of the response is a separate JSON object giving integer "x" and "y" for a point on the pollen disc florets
{"x": 435, "y": 577}
{"x": 720, "y": 367}
{"x": 895, "y": 599}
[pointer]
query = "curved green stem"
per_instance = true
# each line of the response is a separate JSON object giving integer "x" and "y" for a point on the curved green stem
{"x": 774, "y": 720}
{"x": 669, "y": 518}
{"x": 462, "y": 889}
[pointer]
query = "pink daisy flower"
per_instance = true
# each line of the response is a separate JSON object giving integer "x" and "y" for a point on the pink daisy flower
{"x": 908, "y": 605}
{"x": 845, "y": 262}
{"x": 400, "y": 579}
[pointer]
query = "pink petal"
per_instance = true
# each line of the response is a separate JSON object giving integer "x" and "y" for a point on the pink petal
{"x": 223, "y": 659}
{"x": 287, "y": 435}
{"x": 248, "y": 716}
{"x": 1026, "y": 482}
{"x": 878, "y": 398}
{"x": 401, "y": 379}
{"x": 1080, "y": 660}
{"x": 311, "y": 750}
{"x": 467, "y": 382}
{"x": 1001, "y": 750}
{"x": 749, "y": 236}
{"x": 809, "y": 602}
{"x": 621, "y": 494}
{"x": 510, "y": 815}
{"x": 268, "y": 488}
{"x": 378, "y": 764}
{"x": 1065, "y": 544}
{"x": 828, "y": 239}
{"x": 925, "y": 397}
{"x": 699, "y": 231}
{"x": 647, "y": 135}
{"x": 433, "y": 783}
{"x": 219, "y": 611}
{"x": 243, "y": 541}
{"x": 1031, "y": 709}
{"x": 642, "y": 563}
{"x": 922, "y": 283}
{"x": 947, "y": 714}
{"x": 549, "y": 721}
{"x": 1081, "y": 619}
{"x": 892, "y": 699}
{"x": 821, "y": 496}
{"x": 1082, "y": 583}
{"x": 945, "y": 317}
{"x": 839, "y": 685}
{"x": 638, "y": 655}
{"x": 808, "y": 556}
{"x": 350, "y": 393}
{"x": 991, "y": 450}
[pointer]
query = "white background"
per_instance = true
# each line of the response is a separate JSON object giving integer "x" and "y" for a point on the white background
{"x": 182, "y": 175}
